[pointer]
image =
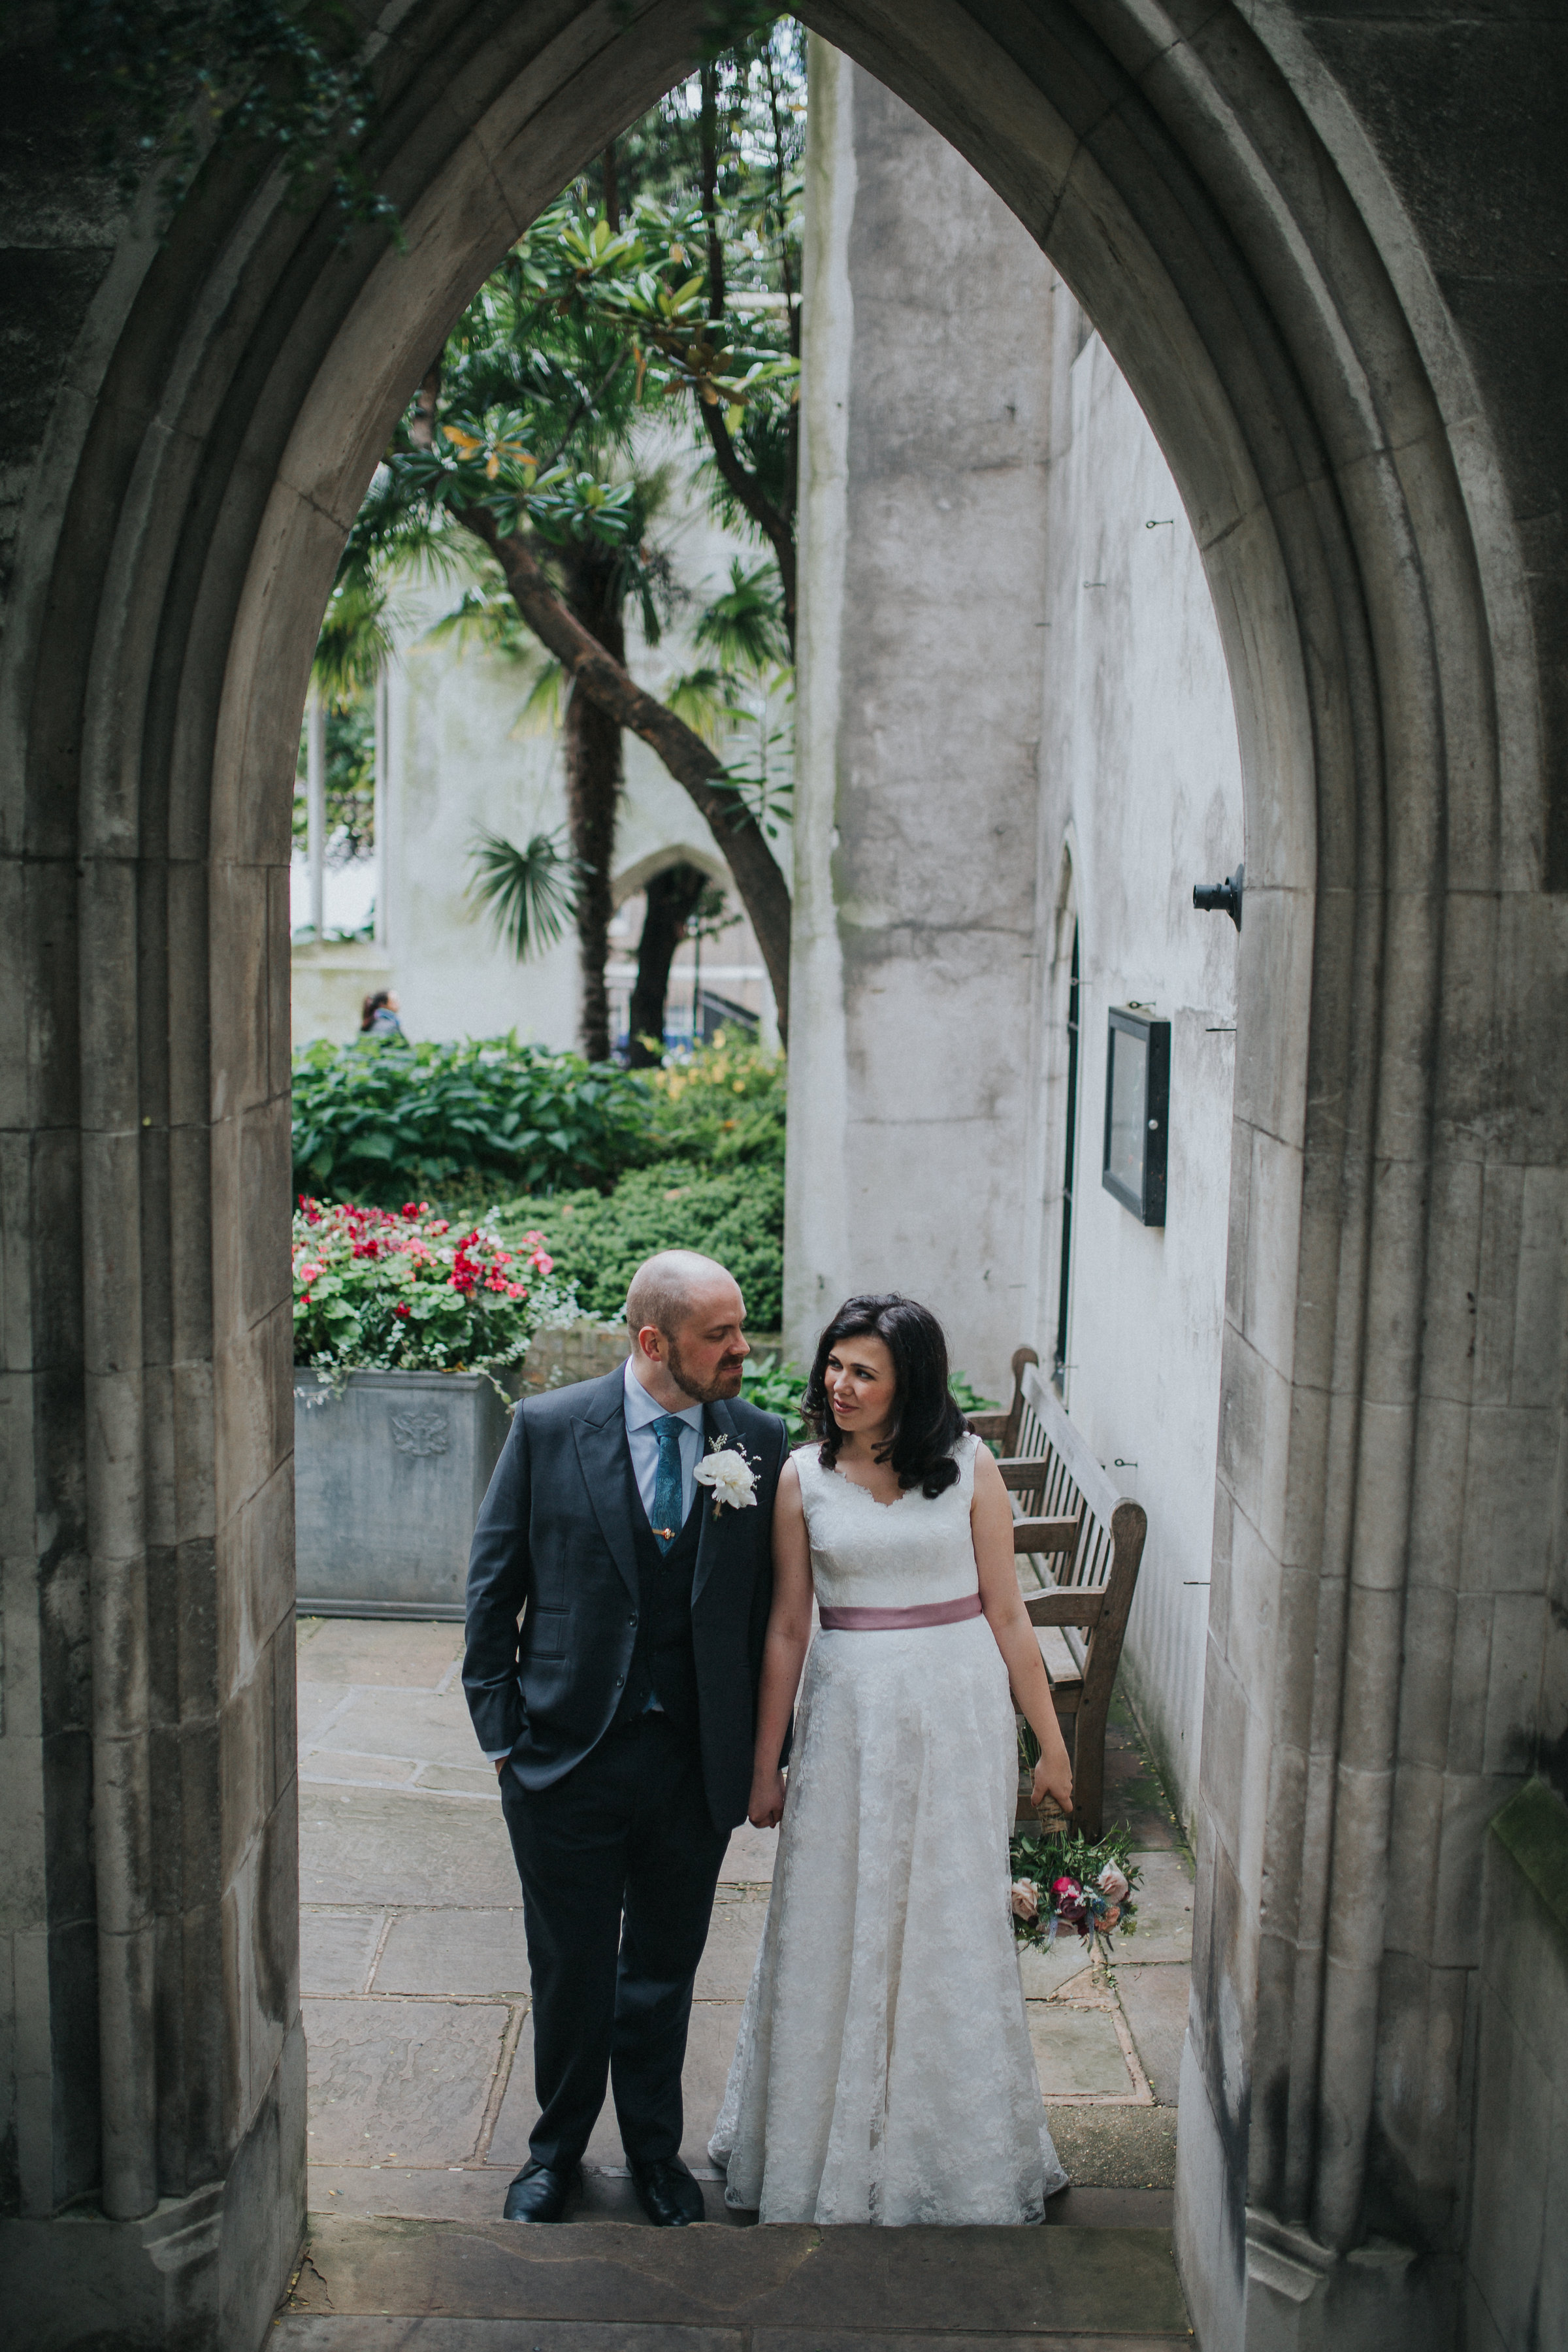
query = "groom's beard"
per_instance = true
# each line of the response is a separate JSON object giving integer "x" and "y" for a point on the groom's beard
{"x": 725, "y": 1381}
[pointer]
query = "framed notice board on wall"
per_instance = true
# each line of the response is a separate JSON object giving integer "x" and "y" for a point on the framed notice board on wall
{"x": 1137, "y": 1111}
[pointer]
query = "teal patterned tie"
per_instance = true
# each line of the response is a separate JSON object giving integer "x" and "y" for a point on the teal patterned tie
{"x": 665, "y": 1515}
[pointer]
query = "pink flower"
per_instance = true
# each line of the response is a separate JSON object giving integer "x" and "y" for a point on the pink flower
{"x": 1068, "y": 1903}
{"x": 1113, "y": 1885}
{"x": 1026, "y": 1901}
{"x": 546, "y": 1265}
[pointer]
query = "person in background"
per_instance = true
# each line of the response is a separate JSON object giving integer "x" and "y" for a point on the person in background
{"x": 379, "y": 1017}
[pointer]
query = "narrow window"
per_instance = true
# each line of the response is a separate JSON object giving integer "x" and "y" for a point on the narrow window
{"x": 1061, "y": 1353}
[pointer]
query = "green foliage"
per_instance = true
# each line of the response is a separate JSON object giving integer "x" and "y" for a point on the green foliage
{"x": 379, "y": 1120}
{"x": 533, "y": 420}
{"x": 966, "y": 1397}
{"x": 720, "y": 1104}
{"x": 355, "y": 640}
{"x": 599, "y": 1241}
{"x": 410, "y": 1293}
{"x": 165, "y": 74}
{"x": 530, "y": 893}
{"x": 744, "y": 623}
{"x": 775, "y": 1386}
{"x": 578, "y": 332}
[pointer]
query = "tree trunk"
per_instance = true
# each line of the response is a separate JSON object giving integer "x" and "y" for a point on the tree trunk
{"x": 672, "y": 897}
{"x": 742, "y": 485}
{"x": 751, "y": 495}
{"x": 593, "y": 748}
{"x": 596, "y": 673}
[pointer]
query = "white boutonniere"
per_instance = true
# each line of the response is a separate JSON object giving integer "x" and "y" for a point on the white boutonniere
{"x": 732, "y": 1478}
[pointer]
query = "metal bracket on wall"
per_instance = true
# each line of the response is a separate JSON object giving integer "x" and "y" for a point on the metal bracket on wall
{"x": 1221, "y": 897}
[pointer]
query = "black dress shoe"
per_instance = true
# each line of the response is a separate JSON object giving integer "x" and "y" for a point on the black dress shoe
{"x": 667, "y": 2193}
{"x": 538, "y": 2194}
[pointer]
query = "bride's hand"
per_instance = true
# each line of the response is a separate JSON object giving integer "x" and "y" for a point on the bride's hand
{"x": 765, "y": 1808}
{"x": 1053, "y": 1778}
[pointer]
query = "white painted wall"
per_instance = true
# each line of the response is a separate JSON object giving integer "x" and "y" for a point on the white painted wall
{"x": 986, "y": 742}
{"x": 1140, "y": 798}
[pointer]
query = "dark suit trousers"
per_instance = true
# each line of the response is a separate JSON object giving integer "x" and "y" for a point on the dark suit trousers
{"x": 618, "y": 1862}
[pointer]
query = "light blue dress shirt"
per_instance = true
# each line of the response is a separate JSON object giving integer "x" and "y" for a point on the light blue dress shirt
{"x": 642, "y": 1411}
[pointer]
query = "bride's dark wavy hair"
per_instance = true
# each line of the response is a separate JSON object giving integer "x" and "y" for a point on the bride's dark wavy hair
{"x": 929, "y": 1423}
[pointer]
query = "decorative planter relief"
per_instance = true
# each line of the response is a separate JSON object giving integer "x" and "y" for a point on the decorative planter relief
{"x": 388, "y": 1480}
{"x": 419, "y": 1432}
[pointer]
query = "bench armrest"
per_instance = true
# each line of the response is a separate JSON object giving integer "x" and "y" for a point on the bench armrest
{"x": 1045, "y": 1535}
{"x": 989, "y": 1424}
{"x": 1068, "y": 1608}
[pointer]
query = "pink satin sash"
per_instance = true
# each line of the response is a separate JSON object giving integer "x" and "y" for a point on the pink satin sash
{"x": 895, "y": 1620}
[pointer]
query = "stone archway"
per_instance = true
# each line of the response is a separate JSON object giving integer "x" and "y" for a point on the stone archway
{"x": 1220, "y": 204}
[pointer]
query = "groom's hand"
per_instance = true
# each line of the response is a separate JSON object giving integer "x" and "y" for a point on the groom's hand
{"x": 765, "y": 1809}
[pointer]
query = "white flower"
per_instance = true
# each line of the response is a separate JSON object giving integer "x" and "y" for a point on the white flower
{"x": 1113, "y": 1884}
{"x": 732, "y": 1477}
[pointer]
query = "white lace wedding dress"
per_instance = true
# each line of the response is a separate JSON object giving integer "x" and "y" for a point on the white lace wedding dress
{"x": 883, "y": 2070}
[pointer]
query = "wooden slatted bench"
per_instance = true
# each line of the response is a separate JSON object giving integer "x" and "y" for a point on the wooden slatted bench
{"x": 1077, "y": 1544}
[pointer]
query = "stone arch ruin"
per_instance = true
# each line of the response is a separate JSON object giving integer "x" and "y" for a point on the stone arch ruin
{"x": 1265, "y": 214}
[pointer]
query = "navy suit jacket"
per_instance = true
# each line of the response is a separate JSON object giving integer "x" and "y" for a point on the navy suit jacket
{"x": 555, "y": 1547}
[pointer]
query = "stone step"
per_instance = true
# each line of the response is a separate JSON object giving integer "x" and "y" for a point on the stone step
{"x": 382, "y": 2285}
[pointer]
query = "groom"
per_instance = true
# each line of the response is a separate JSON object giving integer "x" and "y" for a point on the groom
{"x": 620, "y": 1713}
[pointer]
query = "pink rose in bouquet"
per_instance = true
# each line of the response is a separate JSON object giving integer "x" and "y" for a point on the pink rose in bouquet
{"x": 1025, "y": 1900}
{"x": 1113, "y": 1885}
{"x": 1067, "y": 1902}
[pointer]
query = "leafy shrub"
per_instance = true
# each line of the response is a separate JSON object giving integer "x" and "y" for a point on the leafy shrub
{"x": 723, "y": 1103}
{"x": 598, "y": 1241}
{"x": 371, "y": 1289}
{"x": 378, "y": 1121}
{"x": 773, "y": 1386}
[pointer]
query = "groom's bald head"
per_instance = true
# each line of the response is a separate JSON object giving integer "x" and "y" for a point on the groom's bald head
{"x": 669, "y": 1291}
{"x": 685, "y": 1314}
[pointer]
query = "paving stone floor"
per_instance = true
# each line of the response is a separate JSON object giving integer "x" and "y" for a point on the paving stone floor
{"x": 413, "y": 1975}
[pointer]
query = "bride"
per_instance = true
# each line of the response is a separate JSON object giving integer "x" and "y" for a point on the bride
{"x": 883, "y": 2070}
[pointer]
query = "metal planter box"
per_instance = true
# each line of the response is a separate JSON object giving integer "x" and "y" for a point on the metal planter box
{"x": 388, "y": 1480}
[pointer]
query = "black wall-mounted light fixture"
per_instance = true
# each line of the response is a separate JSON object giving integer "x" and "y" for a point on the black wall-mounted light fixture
{"x": 1221, "y": 897}
{"x": 1137, "y": 1111}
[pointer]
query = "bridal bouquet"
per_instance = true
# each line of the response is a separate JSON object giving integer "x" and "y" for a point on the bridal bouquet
{"x": 1064, "y": 1881}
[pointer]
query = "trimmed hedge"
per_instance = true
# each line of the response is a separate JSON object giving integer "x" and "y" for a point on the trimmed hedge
{"x": 598, "y": 1240}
